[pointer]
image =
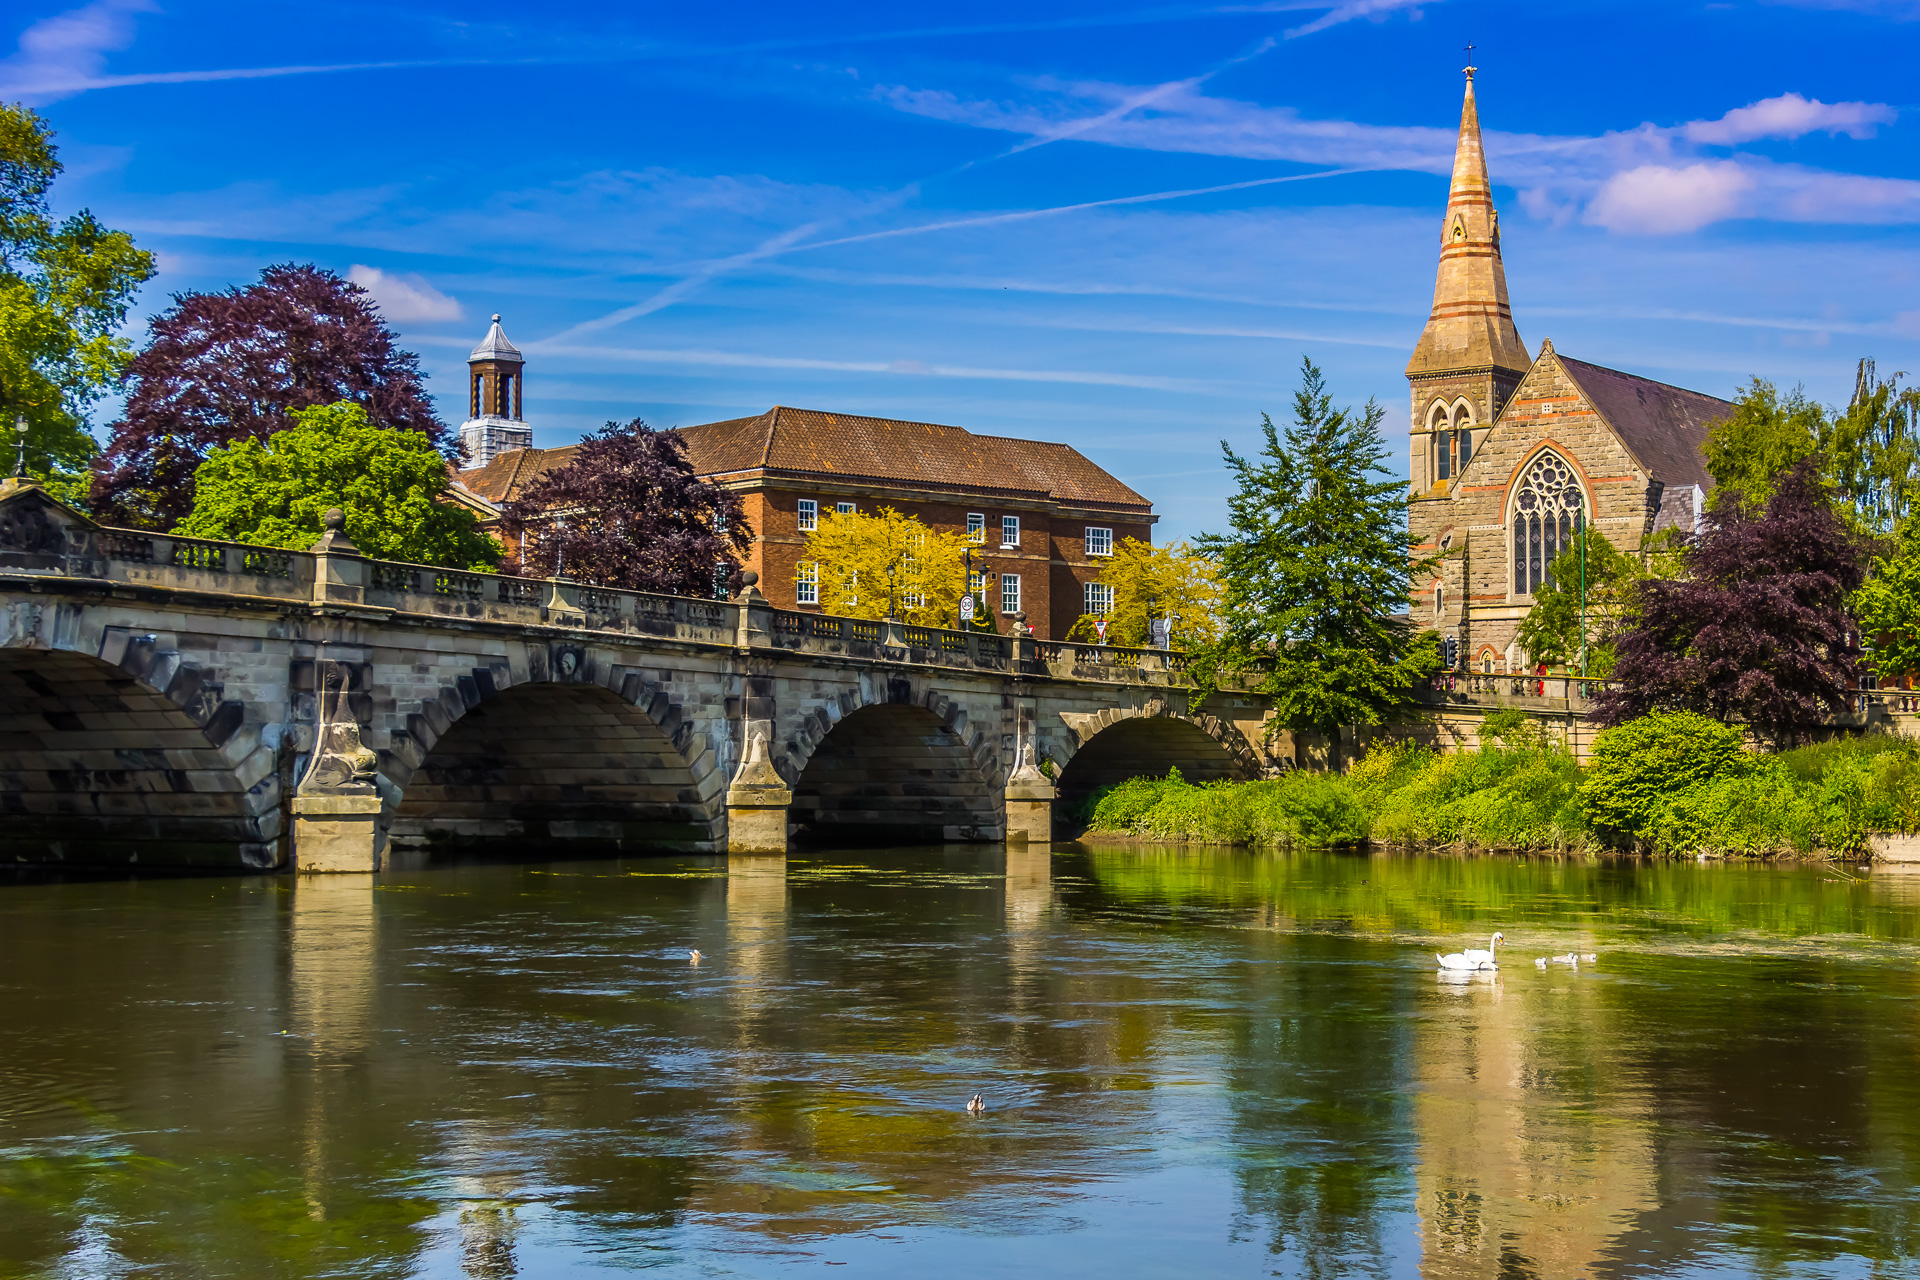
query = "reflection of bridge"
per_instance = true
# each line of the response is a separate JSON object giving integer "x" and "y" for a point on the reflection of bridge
{"x": 177, "y": 702}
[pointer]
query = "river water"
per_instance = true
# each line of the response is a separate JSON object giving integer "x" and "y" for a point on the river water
{"x": 1194, "y": 1063}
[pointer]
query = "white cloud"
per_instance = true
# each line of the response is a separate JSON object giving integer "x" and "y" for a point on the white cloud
{"x": 403, "y": 298}
{"x": 58, "y": 54}
{"x": 1789, "y": 116}
{"x": 1348, "y": 10}
{"x": 1658, "y": 200}
{"x": 1650, "y": 179}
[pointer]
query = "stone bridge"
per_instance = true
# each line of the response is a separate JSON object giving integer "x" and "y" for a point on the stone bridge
{"x": 174, "y": 702}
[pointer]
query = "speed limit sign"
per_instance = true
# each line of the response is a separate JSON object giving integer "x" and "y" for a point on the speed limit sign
{"x": 966, "y": 608}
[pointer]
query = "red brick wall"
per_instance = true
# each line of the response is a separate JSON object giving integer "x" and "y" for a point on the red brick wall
{"x": 1051, "y": 559}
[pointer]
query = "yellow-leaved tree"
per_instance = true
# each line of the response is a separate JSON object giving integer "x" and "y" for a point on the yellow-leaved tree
{"x": 884, "y": 565}
{"x": 1175, "y": 582}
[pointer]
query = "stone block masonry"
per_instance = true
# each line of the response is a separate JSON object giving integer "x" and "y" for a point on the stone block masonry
{"x": 183, "y": 703}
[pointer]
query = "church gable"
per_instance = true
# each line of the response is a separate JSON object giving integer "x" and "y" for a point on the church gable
{"x": 1548, "y": 410}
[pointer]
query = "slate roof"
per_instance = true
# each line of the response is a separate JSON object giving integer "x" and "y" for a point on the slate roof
{"x": 1666, "y": 427}
{"x": 808, "y": 444}
{"x": 496, "y": 347}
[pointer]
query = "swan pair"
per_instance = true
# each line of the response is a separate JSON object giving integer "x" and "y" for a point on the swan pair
{"x": 1473, "y": 957}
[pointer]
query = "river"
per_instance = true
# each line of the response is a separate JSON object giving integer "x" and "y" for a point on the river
{"x": 1193, "y": 1063}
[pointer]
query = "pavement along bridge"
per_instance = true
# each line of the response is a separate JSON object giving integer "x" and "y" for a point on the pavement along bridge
{"x": 176, "y": 702}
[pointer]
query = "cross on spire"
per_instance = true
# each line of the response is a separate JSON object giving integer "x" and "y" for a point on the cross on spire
{"x": 1470, "y": 67}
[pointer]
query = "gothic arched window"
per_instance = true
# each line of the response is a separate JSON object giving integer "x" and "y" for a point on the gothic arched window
{"x": 1463, "y": 434}
{"x": 1548, "y": 509}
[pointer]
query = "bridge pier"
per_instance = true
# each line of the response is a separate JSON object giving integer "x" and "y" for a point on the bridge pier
{"x": 336, "y": 833}
{"x": 1029, "y": 800}
{"x": 757, "y": 804}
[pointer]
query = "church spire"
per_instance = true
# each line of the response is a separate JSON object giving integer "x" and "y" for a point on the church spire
{"x": 1471, "y": 325}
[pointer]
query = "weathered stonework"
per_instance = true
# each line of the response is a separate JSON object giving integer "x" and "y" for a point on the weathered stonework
{"x": 179, "y": 702}
{"x": 1483, "y": 415}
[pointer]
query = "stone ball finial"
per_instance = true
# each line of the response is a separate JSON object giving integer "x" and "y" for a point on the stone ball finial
{"x": 335, "y": 520}
{"x": 1020, "y": 616}
{"x": 496, "y": 317}
{"x": 749, "y": 578}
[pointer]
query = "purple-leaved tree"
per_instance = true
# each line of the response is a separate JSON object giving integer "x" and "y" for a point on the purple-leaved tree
{"x": 628, "y": 511}
{"x": 221, "y": 367}
{"x": 1758, "y": 628}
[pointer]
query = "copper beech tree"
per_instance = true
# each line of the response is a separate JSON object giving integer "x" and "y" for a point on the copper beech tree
{"x": 1758, "y": 628}
{"x": 224, "y": 367}
{"x": 628, "y": 511}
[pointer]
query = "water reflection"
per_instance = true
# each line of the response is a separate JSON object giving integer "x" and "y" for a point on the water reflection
{"x": 1195, "y": 1063}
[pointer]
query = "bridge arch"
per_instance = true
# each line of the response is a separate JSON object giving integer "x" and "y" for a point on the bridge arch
{"x": 893, "y": 769}
{"x": 131, "y": 756}
{"x": 558, "y": 763}
{"x": 1135, "y": 742}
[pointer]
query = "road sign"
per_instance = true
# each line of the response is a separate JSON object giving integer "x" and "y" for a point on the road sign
{"x": 966, "y": 608}
{"x": 1162, "y": 632}
{"x": 1100, "y": 625}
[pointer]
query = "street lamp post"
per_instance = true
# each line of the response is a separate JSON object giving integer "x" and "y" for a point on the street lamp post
{"x": 20, "y": 431}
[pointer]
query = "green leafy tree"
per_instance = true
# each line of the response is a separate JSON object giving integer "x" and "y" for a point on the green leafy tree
{"x": 1887, "y": 606}
{"x": 1873, "y": 448}
{"x": 389, "y": 483}
{"x": 887, "y": 565}
{"x": 1550, "y": 632}
{"x": 1315, "y": 571}
{"x": 64, "y": 291}
{"x": 1150, "y": 582}
{"x": 1766, "y": 435}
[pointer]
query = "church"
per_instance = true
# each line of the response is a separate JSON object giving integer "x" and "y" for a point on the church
{"x": 1512, "y": 454}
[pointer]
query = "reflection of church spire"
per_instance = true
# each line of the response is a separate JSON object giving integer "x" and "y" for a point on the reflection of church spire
{"x": 1471, "y": 325}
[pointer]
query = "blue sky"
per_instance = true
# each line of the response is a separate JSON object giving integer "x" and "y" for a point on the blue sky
{"x": 1120, "y": 226}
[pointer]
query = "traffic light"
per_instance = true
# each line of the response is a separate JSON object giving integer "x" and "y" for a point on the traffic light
{"x": 1453, "y": 651}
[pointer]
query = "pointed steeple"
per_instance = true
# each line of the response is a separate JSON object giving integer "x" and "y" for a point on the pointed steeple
{"x": 1471, "y": 325}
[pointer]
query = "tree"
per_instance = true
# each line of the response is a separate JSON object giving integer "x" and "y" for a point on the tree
{"x": 389, "y": 483}
{"x": 1764, "y": 438}
{"x": 1758, "y": 630}
{"x": 1148, "y": 582}
{"x": 1873, "y": 448}
{"x": 221, "y": 367}
{"x": 1888, "y": 607}
{"x": 1551, "y": 631}
{"x": 64, "y": 291}
{"x": 887, "y": 565}
{"x": 628, "y": 511}
{"x": 1315, "y": 572}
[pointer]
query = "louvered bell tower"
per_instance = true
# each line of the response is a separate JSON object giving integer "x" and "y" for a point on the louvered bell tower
{"x": 494, "y": 425}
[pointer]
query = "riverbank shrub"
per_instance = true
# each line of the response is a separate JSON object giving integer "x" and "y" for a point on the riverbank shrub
{"x": 1680, "y": 785}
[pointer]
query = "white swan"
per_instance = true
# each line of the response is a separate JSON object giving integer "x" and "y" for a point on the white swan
{"x": 1473, "y": 957}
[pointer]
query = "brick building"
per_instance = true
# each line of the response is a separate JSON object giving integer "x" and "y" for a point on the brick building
{"x": 1511, "y": 453}
{"x": 1044, "y": 516}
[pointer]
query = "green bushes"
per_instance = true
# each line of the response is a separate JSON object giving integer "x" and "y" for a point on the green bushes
{"x": 1665, "y": 783}
{"x": 1640, "y": 765}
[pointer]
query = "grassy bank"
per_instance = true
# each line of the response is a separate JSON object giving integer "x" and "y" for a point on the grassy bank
{"x": 1668, "y": 784}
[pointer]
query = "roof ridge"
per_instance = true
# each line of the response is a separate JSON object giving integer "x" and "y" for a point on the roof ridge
{"x": 1640, "y": 377}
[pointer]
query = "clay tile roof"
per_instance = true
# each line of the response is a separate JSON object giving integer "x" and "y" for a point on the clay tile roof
{"x": 809, "y": 444}
{"x": 1665, "y": 427}
{"x": 812, "y": 444}
{"x": 502, "y": 479}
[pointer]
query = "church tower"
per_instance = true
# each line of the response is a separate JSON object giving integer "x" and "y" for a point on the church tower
{"x": 1470, "y": 357}
{"x": 494, "y": 424}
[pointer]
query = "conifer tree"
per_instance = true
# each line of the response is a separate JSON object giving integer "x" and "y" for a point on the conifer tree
{"x": 1315, "y": 571}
